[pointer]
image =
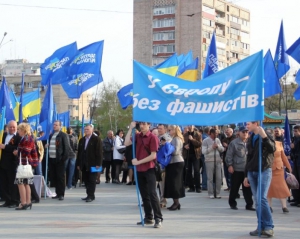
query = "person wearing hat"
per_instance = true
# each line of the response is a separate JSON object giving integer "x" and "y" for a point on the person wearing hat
{"x": 236, "y": 160}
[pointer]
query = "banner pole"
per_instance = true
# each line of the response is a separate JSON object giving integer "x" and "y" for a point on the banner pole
{"x": 135, "y": 177}
{"x": 259, "y": 183}
{"x": 46, "y": 170}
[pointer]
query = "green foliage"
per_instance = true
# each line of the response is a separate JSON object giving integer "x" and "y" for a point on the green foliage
{"x": 108, "y": 114}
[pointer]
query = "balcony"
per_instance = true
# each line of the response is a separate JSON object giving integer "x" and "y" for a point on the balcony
{"x": 220, "y": 20}
{"x": 246, "y": 51}
{"x": 245, "y": 28}
{"x": 233, "y": 36}
{"x": 235, "y": 48}
{"x": 220, "y": 32}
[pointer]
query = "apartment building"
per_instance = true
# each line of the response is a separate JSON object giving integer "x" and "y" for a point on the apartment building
{"x": 163, "y": 27}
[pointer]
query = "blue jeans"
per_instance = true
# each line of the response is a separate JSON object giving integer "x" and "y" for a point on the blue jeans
{"x": 203, "y": 172}
{"x": 266, "y": 216}
{"x": 70, "y": 166}
{"x": 38, "y": 169}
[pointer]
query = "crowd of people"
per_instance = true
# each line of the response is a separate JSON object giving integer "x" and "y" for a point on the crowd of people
{"x": 174, "y": 161}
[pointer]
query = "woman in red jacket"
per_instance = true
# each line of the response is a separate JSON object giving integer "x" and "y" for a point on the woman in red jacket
{"x": 27, "y": 150}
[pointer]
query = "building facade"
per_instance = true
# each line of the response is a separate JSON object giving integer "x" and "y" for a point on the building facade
{"x": 13, "y": 69}
{"x": 163, "y": 27}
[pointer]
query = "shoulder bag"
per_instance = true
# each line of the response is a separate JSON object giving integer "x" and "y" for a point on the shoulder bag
{"x": 24, "y": 171}
{"x": 122, "y": 150}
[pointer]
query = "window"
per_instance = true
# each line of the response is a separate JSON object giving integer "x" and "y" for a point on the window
{"x": 245, "y": 34}
{"x": 206, "y": 35}
{"x": 228, "y": 17}
{"x": 164, "y": 10}
{"x": 245, "y": 23}
{"x": 29, "y": 84}
{"x": 163, "y": 36}
{"x": 234, "y": 43}
{"x": 227, "y": 8}
{"x": 245, "y": 45}
{"x": 208, "y": 22}
{"x": 221, "y": 52}
{"x": 163, "y": 49}
{"x": 77, "y": 107}
{"x": 235, "y": 31}
{"x": 164, "y": 23}
{"x": 228, "y": 30}
{"x": 70, "y": 107}
{"x": 234, "y": 19}
{"x": 234, "y": 55}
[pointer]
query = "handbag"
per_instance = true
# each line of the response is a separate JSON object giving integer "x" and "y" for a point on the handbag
{"x": 122, "y": 150}
{"x": 24, "y": 171}
{"x": 291, "y": 181}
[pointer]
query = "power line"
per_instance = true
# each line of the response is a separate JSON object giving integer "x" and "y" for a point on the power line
{"x": 62, "y": 8}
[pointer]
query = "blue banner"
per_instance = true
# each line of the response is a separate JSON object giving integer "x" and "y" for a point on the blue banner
{"x": 211, "y": 64}
{"x": 272, "y": 85}
{"x": 85, "y": 70}
{"x": 294, "y": 50}
{"x": 281, "y": 60}
{"x": 6, "y": 102}
{"x": 125, "y": 96}
{"x": 232, "y": 95}
{"x": 55, "y": 66}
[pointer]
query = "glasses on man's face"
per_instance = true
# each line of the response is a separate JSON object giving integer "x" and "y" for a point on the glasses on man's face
{"x": 245, "y": 132}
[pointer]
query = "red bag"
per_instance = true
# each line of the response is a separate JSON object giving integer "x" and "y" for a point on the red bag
{"x": 291, "y": 181}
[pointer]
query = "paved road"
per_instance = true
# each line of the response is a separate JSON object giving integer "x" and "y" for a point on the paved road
{"x": 114, "y": 214}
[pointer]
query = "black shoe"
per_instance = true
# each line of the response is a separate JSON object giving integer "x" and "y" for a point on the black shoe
{"x": 35, "y": 201}
{"x": 89, "y": 199}
{"x": 158, "y": 222}
{"x": 198, "y": 190}
{"x": 292, "y": 200}
{"x": 84, "y": 198}
{"x": 285, "y": 210}
{"x": 13, "y": 205}
{"x": 107, "y": 181}
{"x": 294, "y": 204}
{"x": 21, "y": 207}
{"x": 191, "y": 190}
{"x": 61, "y": 198}
{"x": 134, "y": 183}
{"x": 29, "y": 206}
{"x": 250, "y": 208}
{"x": 238, "y": 196}
{"x": 130, "y": 183}
{"x": 146, "y": 222}
{"x": 254, "y": 233}
{"x": 5, "y": 205}
{"x": 175, "y": 207}
{"x": 56, "y": 197}
{"x": 234, "y": 207}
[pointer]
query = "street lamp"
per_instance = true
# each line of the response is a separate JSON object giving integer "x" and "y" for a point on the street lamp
{"x": 5, "y": 33}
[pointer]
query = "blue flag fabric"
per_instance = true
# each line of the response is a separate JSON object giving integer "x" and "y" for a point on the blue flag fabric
{"x": 232, "y": 95}
{"x": 6, "y": 101}
{"x": 34, "y": 122}
{"x": 297, "y": 79}
{"x": 211, "y": 64}
{"x": 85, "y": 70}
{"x": 125, "y": 95}
{"x": 46, "y": 115}
{"x": 21, "y": 101}
{"x": 297, "y": 94}
{"x": 184, "y": 61}
{"x": 287, "y": 137}
{"x": 64, "y": 118}
{"x": 272, "y": 85}
{"x": 55, "y": 66}
{"x": 294, "y": 50}
{"x": 281, "y": 60}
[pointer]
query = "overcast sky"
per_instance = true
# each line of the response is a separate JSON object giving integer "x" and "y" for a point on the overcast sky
{"x": 38, "y": 32}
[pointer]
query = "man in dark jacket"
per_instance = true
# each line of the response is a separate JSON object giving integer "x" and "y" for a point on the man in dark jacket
{"x": 108, "y": 148}
{"x": 252, "y": 174}
{"x": 59, "y": 148}
{"x": 89, "y": 155}
{"x": 295, "y": 146}
{"x": 192, "y": 154}
{"x": 8, "y": 165}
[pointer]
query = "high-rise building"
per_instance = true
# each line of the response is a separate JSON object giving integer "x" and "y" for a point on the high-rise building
{"x": 163, "y": 27}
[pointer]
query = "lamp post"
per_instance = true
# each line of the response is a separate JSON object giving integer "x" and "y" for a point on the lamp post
{"x": 5, "y": 33}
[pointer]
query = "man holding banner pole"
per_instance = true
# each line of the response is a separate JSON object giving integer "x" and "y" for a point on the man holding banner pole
{"x": 252, "y": 175}
{"x": 146, "y": 148}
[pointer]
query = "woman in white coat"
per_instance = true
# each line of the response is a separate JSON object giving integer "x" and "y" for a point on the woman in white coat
{"x": 118, "y": 157}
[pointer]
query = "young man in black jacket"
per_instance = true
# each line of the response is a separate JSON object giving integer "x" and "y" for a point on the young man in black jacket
{"x": 295, "y": 146}
{"x": 251, "y": 174}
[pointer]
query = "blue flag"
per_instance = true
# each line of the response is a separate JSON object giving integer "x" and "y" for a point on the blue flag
{"x": 281, "y": 60}
{"x": 272, "y": 85}
{"x": 297, "y": 94}
{"x": 54, "y": 67}
{"x": 64, "y": 118}
{"x": 125, "y": 95}
{"x": 232, "y": 95}
{"x": 34, "y": 122}
{"x": 287, "y": 137}
{"x": 184, "y": 61}
{"x": 46, "y": 115}
{"x": 294, "y": 50}
{"x": 6, "y": 101}
{"x": 84, "y": 70}
{"x": 211, "y": 64}
{"x": 21, "y": 100}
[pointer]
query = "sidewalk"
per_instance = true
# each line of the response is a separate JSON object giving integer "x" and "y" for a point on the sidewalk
{"x": 114, "y": 214}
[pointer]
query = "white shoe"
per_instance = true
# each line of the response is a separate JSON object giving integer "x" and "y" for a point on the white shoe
{"x": 218, "y": 197}
{"x": 211, "y": 197}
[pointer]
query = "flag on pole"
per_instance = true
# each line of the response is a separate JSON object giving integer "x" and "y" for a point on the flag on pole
{"x": 281, "y": 60}
{"x": 287, "y": 137}
{"x": 211, "y": 64}
{"x": 169, "y": 66}
{"x": 21, "y": 100}
{"x": 15, "y": 104}
{"x": 54, "y": 67}
{"x": 31, "y": 104}
{"x": 2, "y": 123}
{"x": 64, "y": 118}
{"x": 6, "y": 101}
{"x": 294, "y": 50}
{"x": 184, "y": 61}
{"x": 190, "y": 72}
{"x": 125, "y": 95}
{"x": 84, "y": 70}
{"x": 272, "y": 85}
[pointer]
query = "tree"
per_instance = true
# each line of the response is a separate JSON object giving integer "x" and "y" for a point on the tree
{"x": 108, "y": 114}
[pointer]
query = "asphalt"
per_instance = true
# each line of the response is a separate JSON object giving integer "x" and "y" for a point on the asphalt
{"x": 114, "y": 214}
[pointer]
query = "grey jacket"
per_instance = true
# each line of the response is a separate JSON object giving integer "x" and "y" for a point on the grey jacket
{"x": 236, "y": 155}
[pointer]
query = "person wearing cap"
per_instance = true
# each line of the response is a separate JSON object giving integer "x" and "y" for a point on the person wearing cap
{"x": 236, "y": 160}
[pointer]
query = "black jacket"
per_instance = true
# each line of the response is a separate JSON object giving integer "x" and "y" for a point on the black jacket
{"x": 93, "y": 152}
{"x": 268, "y": 149}
{"x": 8, "y": 160}
{"x": 107, "y": 150}
{"x": 62, "y": 146}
